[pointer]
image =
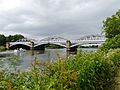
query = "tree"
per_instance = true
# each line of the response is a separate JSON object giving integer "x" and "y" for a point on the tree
{"x": 112, "y": 43}
{"x": 9, "y": 38}
{"x": 111, "y": 25}
{"x": 2, "y": 39}
{"x": 17, "y": 37}
{"x": 14, "y": 38}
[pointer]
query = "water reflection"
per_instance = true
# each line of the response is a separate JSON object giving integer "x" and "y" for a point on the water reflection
{"x": 25, "y": 59}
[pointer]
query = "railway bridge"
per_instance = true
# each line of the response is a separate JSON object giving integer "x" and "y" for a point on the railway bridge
{"x": 31, "y": 44}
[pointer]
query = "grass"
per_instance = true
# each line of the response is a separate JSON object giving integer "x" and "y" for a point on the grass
{"x": 2, "y": 48}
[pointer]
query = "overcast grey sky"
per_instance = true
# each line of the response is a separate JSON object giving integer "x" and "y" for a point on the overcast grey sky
{"x": 45, "y": 18}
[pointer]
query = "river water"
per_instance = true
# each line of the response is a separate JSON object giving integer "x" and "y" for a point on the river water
{"x": 24, "y": 59}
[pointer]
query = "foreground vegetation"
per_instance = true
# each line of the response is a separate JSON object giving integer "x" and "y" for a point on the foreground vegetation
{"x": 2, "y": 48}
{"x": 84, "y": 71}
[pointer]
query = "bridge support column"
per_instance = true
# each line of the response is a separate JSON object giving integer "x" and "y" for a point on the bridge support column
{"x": 7, "y": 45}
{"x": 68, "y": 49}
{"x": 32, "y": 46}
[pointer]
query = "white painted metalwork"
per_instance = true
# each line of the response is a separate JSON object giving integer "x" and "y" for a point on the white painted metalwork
{"x": 90, "y": 39}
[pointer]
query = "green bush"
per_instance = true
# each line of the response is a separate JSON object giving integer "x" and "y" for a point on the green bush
{"x": 85, "y": 71}
{"x": 92, "y": 71}
{"x": 2, "y": 48}
{"x": 112, "y": 43}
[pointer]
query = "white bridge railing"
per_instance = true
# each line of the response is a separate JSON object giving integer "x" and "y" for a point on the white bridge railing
{"x": 91, "y": 39}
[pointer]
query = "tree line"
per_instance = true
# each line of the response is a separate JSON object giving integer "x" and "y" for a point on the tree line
{"x": 10, "y": 38}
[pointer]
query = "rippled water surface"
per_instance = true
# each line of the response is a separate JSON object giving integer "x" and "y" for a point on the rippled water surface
{"x": 25, "y": 59}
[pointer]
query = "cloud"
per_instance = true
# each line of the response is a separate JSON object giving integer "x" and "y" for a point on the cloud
{"x": 44, "y": 18}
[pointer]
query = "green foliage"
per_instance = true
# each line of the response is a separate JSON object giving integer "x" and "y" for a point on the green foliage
{"x": 92, "y": 71}
{"x": 13, "y": 38}
{"x": 2, "y": 48}
{"x": 2, "y": 39}
{"x": 85, "y": 71}
{"x": 112, "y": 43}
{"x": 111, "y": 25}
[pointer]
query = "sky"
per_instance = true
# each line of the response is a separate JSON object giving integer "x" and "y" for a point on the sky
{"x": 70, "y": 19}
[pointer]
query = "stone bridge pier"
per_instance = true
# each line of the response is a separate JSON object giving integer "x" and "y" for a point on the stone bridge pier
{"x": 32, "y": 46}
{"x": 68, "y": 45}
{"x": 68, "y": 48}
{"x": 7, "y": 45}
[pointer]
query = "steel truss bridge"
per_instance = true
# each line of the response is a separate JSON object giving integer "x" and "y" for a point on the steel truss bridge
{"x": 89, "y": 40}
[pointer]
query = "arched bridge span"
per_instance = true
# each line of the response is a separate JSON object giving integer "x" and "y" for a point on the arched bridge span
{"x": 40, "y": 45}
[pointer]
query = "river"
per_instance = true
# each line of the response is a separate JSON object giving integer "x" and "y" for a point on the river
{"x": 24, "y": 59}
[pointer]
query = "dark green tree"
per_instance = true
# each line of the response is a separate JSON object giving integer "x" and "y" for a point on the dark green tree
{"x": 9, "y": 38}
{"x": 111, "y": 25}
{"x": 17, "y": 37}
{"x": 2, "y": 39}
{"x": 13, "y": 38}
{"x": 112, "y": 43}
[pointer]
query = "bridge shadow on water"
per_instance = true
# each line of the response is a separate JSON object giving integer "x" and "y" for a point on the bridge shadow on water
{"x": 18, "y": 46}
